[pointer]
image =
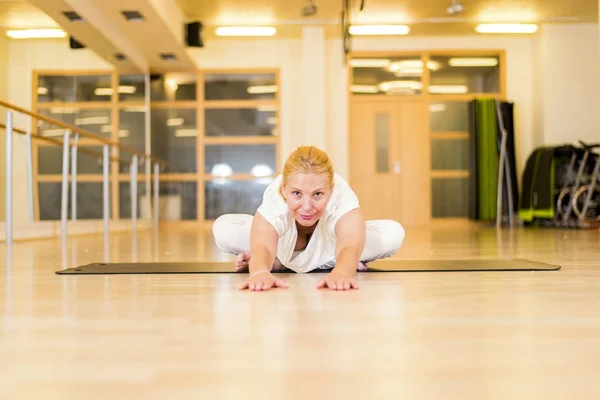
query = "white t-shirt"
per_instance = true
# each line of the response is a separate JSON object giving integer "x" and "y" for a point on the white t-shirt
{"x": 321, "y": 247}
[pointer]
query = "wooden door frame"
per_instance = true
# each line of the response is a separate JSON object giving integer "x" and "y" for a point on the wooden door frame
{"x": 425, "y": 96}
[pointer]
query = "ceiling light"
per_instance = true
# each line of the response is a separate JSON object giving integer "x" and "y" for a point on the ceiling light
{"x": 186, "y": 133}
{"x": 261, "y": 170}
{"x": 379, "y": 30}
{"x": 72, "y": 16}
{"x": 36, "y": 33}
{"x": 262, "y": 89}
{"x": 108, "y": 91}
{"x": 91, "y": 121}
{"x": 171, "y": 84}
{"x": 133, "y": 16}
{"x": 168, "y": 56}
{"x": 448, "y": 89}
{"x": 135, "y": 109}
{"x": 175, "y": 122}
{"x": 221, "y": 170}
{"x": 400, "y": 65}
{"x": 245, "y": 31}
{"x": 506, "y": 28}
{"x": 403, "y": 85}
{"x": 437, "y": 107}
{"x": 267, "y": 108}
{"x": 473, "y": 62}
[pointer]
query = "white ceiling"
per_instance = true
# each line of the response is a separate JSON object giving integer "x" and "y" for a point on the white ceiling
{"x": 106, "y": 32}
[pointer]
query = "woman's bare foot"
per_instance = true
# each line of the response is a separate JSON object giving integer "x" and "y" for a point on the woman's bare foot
{"x": 242, "y": 260}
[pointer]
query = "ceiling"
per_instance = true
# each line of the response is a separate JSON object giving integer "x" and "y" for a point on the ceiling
{"x": 232, "y": 12}
{"x": 21, "y": 14}
{"x": 106, "y": 33}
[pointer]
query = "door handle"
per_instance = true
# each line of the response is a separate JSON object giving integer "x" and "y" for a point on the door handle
{"x": 396, "y": 167}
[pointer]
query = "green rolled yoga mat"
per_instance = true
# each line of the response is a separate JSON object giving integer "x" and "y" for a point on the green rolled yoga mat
{"x": 381, "y": 266}
{"x": 488, "y": 158}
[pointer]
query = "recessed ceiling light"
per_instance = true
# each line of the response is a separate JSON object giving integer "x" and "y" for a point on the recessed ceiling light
{"x": 506, "y": 28}
{"x": 379, "y": 30}
{"x": 472, "y": 62}
{"x": 133, "y": 16}
{"x": 73, "y": 16}
{"x": 245, "y": 31}
{"x": 35, "y": 33}
{"x": 168, "y": 56}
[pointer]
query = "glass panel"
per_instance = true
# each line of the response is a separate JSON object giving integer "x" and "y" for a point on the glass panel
{"x": 224, "y": 196}
{"x": 450, "y": 154}
{"x": 465, "y": 74}
{"x": 450, "y": 198}
{"x": 98, "y": 122}
{"x": 125, "y": 201}
{"x": 132, "y": 126}
{"x": 261, "y": 121}
{"x": 132, "y": 88}
{"x": 50, "y": 161}
{"x": 239, "y": 86}
{"x": 174, "y": 138}
{"x": 387, "y": 76}
{"x": 173, "y": 87}
{"x": 89, "y": 200}
{"x": 74, "y": 88}
{"x": 177, "y": 201}
{"x": 449, "y": 117}
{"x": 224, "y": 160}
{"x": 382, "y": 130}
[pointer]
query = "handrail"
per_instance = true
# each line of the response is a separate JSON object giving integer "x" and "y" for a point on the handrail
{"x": 83, "y": 132}
{"x": 59, "y": 142}
{"x": 72, "y": 147}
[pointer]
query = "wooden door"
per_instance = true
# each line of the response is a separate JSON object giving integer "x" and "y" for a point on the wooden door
{"x": 390, "y": 158}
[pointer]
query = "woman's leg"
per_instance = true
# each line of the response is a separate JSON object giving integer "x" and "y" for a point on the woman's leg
{"x": 384, "y": 239}
{"x": 232, "y": 235}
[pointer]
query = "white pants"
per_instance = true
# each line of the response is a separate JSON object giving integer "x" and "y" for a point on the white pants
{"x": 384, "y": 237}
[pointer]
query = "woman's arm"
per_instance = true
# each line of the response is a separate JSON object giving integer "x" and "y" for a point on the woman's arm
{"x": 263, "y": 250}
{"x": 350, "y": 233}
{"x": 263, "y": 244}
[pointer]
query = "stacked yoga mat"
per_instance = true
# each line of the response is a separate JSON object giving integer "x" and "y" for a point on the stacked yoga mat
{"x": 486, "y": 148}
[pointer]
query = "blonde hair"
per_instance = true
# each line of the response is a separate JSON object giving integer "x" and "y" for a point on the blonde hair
{"x": 308, "y": 159}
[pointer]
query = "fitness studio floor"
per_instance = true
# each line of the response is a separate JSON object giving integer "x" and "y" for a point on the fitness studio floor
{"x": 467, "y": 335}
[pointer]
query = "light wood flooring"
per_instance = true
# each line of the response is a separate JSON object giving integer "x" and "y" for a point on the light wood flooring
{"x": 494, "y": 335}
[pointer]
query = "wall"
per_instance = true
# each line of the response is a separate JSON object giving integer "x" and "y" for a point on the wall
{"x": 568, "y": 64}
{"x": 26, "y": 56}
{"x": 3, "y": 95}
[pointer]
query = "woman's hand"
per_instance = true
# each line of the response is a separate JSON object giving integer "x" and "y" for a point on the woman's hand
{"x": 339, "y": 279}
{"x": 262, "y": 280}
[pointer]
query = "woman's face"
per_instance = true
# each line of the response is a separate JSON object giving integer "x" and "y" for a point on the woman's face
{"x": 307, "y": 196}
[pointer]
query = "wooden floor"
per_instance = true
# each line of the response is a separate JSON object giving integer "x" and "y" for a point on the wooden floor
{"x": 501, "y": 335}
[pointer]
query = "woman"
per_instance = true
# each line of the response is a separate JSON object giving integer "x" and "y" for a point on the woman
{"x": 309, "y": 218}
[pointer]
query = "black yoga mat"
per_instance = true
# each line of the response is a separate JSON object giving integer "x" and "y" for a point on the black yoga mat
{"x": 208, "y": 267}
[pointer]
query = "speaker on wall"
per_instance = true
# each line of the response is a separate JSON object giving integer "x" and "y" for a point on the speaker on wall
{"x": 74, "y": 44}
{"x": 193, "y": 32}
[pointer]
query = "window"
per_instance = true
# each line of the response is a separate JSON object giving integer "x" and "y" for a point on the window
{"x": 218, "y": 130}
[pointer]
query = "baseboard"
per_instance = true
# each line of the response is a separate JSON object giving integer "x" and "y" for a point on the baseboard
{"x": 51, "y": 229}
